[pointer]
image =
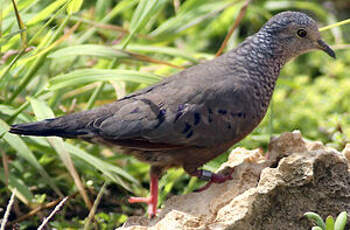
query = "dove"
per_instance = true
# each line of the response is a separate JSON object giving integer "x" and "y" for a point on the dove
{"x": 197, "y": 114}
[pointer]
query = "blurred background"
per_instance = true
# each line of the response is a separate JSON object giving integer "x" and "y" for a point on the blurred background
{"x": 59, "y": 57}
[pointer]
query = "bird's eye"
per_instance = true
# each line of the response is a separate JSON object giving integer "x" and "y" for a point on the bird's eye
{"x": 301, "y": 33}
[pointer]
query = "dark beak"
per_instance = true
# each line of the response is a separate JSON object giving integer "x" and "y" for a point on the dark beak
{"x": 323, "y": 46}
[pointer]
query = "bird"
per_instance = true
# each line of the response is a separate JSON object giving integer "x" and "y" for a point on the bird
{"x": 192, "y": 116}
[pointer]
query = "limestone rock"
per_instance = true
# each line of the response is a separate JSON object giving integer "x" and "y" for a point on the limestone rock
{"x": 268, "y": 191}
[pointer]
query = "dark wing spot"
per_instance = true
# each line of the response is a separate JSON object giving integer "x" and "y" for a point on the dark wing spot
{"x": 187, "y": 128}
{"x": 136, "y": 110}
{"x": 152, "y": 106}
{"x": 197, "y": 118}
{"x": 229, "y": 126}
{"x": 179, "y": 112}
{"x": 178, "y": 115}
{"x": 189, "y": 134}
{"x": 240, "y": 115}
{"x": 222, "y": 111}
{"x": 210, "y": 115}
{"x": 160, "y": 117}
{"x": 162, "y": 112}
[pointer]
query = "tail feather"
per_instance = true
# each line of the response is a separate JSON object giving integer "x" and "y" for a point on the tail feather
{"x": 45, "y": 128}
{"x": 73, "y": 125}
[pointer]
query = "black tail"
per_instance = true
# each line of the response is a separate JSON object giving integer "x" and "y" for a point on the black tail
{"x": 48, "y": 127}
{"x": 34, "y": 128}
{"x": 69, "y": 126}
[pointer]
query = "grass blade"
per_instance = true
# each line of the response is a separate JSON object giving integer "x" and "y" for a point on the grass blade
{"x": 106, "y": 168}
{"x": 119, "y": 8}
{"x": 46, "y": 13}
{"x": 89, "y": 50}
{"x": 104, "y": 52}
{"x": 144, "y": 11}
{"x": 22, "y": 193}
{"x": 94, "y": 207}
{"x": 74, "y": 6}
{"x": 86, "y": 76}
{"x": 23, "y": 151}
{"x": 344, "y": 22}
{"x": 164, "y": 50}
{"x": 190, "y": 14}
{"x": 42, "y": 111}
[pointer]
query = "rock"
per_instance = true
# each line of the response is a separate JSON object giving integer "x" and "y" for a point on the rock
{"x": 346, "y": 152}
{"x": 268, "y": 191}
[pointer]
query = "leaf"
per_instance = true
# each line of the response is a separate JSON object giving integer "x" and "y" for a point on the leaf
{"x": 191, "y": 13}
{"x": 317, "y": 218}
{"x": 164, "y": 50}
{"x": 340, "y": 222}
{"x": 23, "y": 151}
{"x": 43, "y": 111}
{"x": 8, "y": 110}
{"x": 20, "y": 5}
{"x": 306, "y": 5}
{"x": 105, "y": 52}
{"x": 106, "y": 168}
{"x": 86, "y": 76}
{"x": 91, "y": 50}
{"x": 111, "y": 171}
{"x": 46, "y": 13}
{"x": 120, "y": 7}
{"x": 74, "y": 6}
{"x": 144, "y": 11}
{"x": 330, "y": 223}
{"x": 167, "y": 182}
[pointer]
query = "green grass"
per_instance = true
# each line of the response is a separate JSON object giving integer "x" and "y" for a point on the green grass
{"x": 68, "y": 56}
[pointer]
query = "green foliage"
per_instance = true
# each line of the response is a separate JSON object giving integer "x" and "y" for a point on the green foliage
{"x": 64, "y": 56}
{"x": 338, "y": 224}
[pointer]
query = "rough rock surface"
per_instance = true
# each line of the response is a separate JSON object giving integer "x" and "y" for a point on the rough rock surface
{"x": 270, "y": 192}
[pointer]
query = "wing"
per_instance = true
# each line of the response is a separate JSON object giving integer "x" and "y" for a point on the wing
{"x": 172, "y": 116}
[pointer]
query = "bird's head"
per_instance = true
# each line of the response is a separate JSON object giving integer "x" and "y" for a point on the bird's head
{"x": 295, "y": 33}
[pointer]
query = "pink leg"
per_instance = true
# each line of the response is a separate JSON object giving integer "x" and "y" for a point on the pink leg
{"x": 211, "y": 177}
{"x": 152, "y": 200}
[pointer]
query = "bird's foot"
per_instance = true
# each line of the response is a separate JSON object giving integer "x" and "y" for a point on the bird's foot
{"x": 211, "y": 177}
{"x": 150, "y": 201}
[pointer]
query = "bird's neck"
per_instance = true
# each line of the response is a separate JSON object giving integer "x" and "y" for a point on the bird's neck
{"x": 261, "y": 59}
{"x": 261, "y": 53}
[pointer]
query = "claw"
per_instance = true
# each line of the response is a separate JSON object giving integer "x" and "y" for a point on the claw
{"x": 212, "y": 178}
